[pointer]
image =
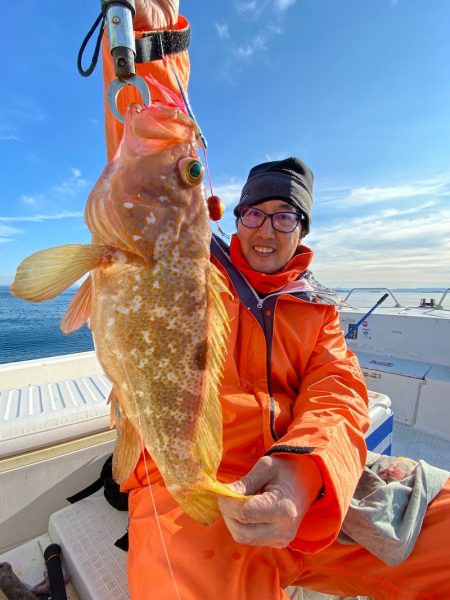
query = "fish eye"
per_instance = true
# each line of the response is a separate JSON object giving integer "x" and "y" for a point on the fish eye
{"x": 191, "y": 171}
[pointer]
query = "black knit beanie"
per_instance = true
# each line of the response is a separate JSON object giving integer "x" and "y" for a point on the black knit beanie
{"x": 288, "y": 179}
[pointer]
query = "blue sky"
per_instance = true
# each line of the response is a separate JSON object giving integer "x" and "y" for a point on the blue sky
{"x": 359, "y": 89}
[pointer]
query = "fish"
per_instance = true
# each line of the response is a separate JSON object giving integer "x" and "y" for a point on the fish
{"x": 153, "y": 301}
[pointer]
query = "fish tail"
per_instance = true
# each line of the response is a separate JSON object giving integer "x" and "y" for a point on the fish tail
{"x": 45, "y": 274}
{"x": 200, "y": 503}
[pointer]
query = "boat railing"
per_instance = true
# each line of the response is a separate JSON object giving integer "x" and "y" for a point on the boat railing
{"x": 441, "y": 301}
{"x": 371, "y": 290}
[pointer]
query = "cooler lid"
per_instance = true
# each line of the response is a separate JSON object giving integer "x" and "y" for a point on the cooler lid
{"x": 396, "y": 366}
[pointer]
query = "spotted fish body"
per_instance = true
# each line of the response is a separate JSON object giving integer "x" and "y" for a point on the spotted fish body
{"x": 154, "y": 303}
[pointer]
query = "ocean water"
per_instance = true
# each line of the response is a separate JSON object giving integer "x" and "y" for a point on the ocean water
{"x": 29, "y": 330}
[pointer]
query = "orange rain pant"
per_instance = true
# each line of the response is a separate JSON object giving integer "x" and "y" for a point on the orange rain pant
{"x": 208, "y": 564}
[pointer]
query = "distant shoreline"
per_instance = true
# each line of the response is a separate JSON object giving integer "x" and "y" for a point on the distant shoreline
{"x": 370, "y": 289}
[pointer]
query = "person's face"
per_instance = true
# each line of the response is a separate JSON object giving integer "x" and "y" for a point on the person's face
{"x": 266, "y": 249}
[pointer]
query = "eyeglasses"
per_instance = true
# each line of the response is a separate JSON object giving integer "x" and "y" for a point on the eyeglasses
{"x": 285, "y": 222}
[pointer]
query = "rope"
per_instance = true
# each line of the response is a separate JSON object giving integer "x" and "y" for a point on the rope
{"x": 90, "y": 33}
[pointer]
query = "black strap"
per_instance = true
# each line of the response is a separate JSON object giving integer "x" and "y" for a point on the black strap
{"x": 111, "y": 489}
{"x": 157, "y": 44}
{"x": 87, "y": 491}
{"x": 122, "y": 542}
{"x": 153, "y": 46}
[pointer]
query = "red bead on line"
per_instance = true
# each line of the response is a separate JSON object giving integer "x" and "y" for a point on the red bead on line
{"x": 216, "y": 208}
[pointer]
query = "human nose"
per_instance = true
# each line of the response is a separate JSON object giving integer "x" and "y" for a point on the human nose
{"x": 267, "y": 230}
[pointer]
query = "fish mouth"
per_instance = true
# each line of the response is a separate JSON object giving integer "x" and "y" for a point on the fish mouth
{"x": 162, "y": 125}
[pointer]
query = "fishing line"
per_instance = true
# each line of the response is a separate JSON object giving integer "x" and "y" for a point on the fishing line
{"x": 200, "y": 137}
{"x": 149, "y": 486}
{"x": 221, "y": 231}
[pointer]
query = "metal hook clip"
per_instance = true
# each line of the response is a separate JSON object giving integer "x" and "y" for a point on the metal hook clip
{"x": 117, "y": 84}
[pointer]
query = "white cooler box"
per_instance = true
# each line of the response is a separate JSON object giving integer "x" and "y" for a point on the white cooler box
{"x": 379, "y": 436}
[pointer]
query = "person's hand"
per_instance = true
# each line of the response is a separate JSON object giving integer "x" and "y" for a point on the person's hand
{"x": 152, "y": 15}
{"x": 284, "y": 488}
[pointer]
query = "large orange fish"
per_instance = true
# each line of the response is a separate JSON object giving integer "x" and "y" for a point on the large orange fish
{"x": 153, "y": 300}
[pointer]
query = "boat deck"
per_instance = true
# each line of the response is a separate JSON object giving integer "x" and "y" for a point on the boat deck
{"x": 419, "y": 445}
{"x": 88, "y": 529}
{"x": 41, "y": 408}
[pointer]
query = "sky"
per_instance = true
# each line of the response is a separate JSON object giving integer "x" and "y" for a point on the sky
{"x": 358, "y": 89}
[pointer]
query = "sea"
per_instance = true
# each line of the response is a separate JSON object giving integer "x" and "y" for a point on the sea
{"x": 31, "y": 330}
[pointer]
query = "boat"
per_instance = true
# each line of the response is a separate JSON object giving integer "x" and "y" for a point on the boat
{"x": 55, "y": 437}
{"x": 404, "y": 352}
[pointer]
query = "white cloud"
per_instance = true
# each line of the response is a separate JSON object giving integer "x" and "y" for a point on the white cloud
{"x": 391, "y": 248}
{"x": 72, "y": 185}
{"x": 258, "y": 43}
{"x": 365, "y": 195}
{"x": 395, "y": 212}
{"x": 244, "y": 51}
{"x": 39, "y": 218}
{"x": 222, "y": 30}
{"x": 7, "y": 233}
{"x": 229, "y": 192}
{"x": 249, "y": 6}
{"x": 254, "y": 39}
{"x": 29, "y": 200}
{"x": 11, "y": 137}
{"x": 68, "y": 188}
{"x": 372, "y": 195}
{"x": 282, "y": 5}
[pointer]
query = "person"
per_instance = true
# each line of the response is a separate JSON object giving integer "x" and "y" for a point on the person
{"x": 294, "y": 415}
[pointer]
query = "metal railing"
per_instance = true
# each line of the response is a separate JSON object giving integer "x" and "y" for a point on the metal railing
{"x": 370, "y": 289}
{"x": 441, "y": 301}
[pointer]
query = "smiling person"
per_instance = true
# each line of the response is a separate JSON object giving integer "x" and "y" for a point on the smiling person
{"x": 274, "y": 213}
{"x": 294, "y": 407}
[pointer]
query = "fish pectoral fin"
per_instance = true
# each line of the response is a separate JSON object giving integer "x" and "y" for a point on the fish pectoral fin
{"x": 45, "y": 274}
{"x": 127, "y": 450}
{"x": 79, "y": 309}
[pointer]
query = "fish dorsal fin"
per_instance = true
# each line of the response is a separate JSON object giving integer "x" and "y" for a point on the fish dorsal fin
{"x": 79, "y": 310}
{"x": 218, "y": 329}
{"x": 47, "y": 273}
